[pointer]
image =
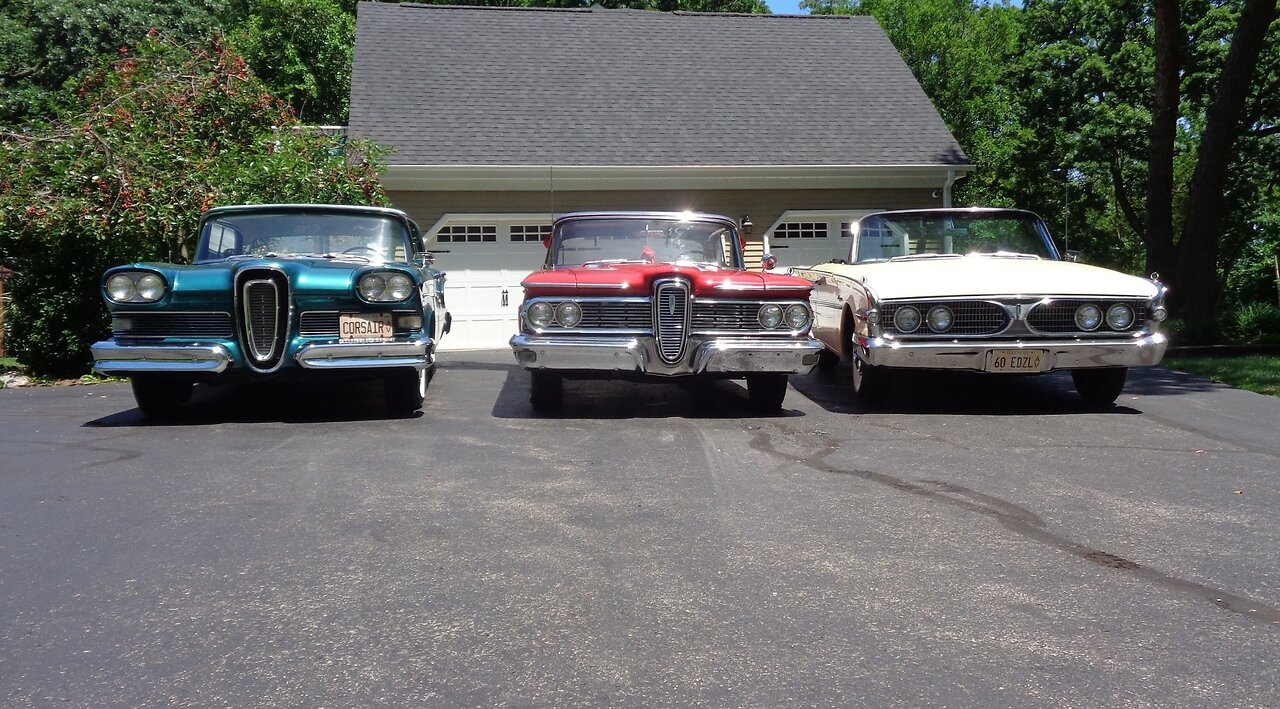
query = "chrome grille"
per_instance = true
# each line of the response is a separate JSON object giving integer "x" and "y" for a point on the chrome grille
{"x": 671, "y": 318}
{"x": 191, "y": 325}
{"x": 615, "y": 314}
{"x": 261, "y": 307}
{"x": 723, "y": 316}
{"x": 969, "y": 317}
{"x": 1059, "y": 316}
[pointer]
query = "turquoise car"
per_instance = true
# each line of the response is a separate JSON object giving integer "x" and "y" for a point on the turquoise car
{"x": 302, "y": 291}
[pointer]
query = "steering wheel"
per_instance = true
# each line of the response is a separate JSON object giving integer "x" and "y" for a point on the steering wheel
{"x": 360, "y": 249}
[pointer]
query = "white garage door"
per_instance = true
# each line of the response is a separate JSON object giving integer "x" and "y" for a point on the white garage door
{"x": 484, "y": 259}
{"x": 808, "y": 238}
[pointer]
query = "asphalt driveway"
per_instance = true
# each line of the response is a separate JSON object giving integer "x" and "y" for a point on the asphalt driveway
{"x": 984, "y": 542}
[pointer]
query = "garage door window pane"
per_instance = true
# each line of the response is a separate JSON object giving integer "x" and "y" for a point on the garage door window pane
{"x": 467, "y": 234}
{"x": 801, "y": 230}
{"x": 530, "y": 232}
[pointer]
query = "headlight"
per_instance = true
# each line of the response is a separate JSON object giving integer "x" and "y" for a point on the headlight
{"x": 385, "y": 287}
{"x": 372, "y": 286}
{"x": 150, "y": 287}
{"x": 1088, "y": 317}
{"x": 135, "y": 287}
{"x": 770, "y": 316}
{"x": 939, "y": 318}
{"x": 1119, "y": 317}
{"x": 906, "y": 319}
{"x": 797, "y": 317}
{"x": 540, "y": 314}
{"x": 569, "y": 314}
{"x": 121, "y": 288}
{"x": 400, "y": 287}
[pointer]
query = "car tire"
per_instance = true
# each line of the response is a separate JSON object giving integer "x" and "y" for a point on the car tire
{"x": 766, "y": 391}
{"x": 546, "y": 390}
{"x": 160, "y": 398}
{"x": 828, "y": 361}
{"x": 1099, "y": 387}
{"x": 871, "y": 384}
{"x": 404, "y": 389}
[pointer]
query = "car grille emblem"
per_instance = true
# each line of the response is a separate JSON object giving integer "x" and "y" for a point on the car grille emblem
{"x": 671, "y": 318}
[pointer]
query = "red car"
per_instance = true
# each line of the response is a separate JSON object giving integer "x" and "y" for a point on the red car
{"x": 659, "y": 295}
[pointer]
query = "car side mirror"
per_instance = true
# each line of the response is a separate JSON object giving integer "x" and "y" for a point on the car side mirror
{"x": 1073, "y": 256}
{"x": 768, "y": 262}
{"x": 424, "y": 260}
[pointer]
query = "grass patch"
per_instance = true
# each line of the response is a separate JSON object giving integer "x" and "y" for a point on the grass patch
{"x": 1259, "y": 373}
{"x": 9, "y": 364}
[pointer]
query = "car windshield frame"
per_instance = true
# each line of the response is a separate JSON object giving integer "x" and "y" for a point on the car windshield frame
{"x": 372, "y": 237}
{"x": 613, "y": 239}
{"x": 893, "y": 236}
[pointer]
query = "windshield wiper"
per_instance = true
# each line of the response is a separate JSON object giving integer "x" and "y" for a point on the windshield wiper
{"x": 913, "y": 257}
{"x": 607, "y": 261}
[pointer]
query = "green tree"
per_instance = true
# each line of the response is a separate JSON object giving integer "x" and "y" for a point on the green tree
{"x": 44, "y": 44}
{"x": 161, "y": 137}
{"x": 961, "y": 52}
{"x": 302, "y": 50}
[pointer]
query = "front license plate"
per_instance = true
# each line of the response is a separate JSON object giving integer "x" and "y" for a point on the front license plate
{"x": 365, "y": 327}
{"x": 1017, "y": 360}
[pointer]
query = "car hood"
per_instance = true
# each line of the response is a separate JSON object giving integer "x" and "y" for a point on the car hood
{"x": 636, "y": 279}
{"x": 977, "y": 276}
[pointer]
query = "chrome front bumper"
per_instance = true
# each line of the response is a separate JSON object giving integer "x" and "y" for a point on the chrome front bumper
{"x": 417, "y": 352}
{"x": 111, "y": 357}
{"x": 1062, "y": 354}
{"x": 640, "y": 355}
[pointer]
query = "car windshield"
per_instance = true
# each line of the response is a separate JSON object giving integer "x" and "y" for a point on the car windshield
{"x": 373, "y": 237}
{"x": 909, "y": 235}
{"x": 623, "y": 240}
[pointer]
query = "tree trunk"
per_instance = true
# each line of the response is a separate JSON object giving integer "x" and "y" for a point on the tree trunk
{"x": 1158, "y": 234}
{"x": 1196, "y": 279}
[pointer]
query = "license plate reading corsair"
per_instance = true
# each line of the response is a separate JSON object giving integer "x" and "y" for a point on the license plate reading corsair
{"x": 365, "y": 327}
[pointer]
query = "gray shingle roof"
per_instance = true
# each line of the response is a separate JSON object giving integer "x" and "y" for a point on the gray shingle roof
{"x": 504, "y": 86}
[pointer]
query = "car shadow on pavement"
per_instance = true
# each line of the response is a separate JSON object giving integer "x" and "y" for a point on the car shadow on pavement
{"x": 940, "y": 392}
{"x": 622, "y": 399}
{"x": 276, "y": 402}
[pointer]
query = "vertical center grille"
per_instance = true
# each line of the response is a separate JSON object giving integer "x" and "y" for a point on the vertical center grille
{"x": 671, "y": 318}
{"x": 264, "y": 316}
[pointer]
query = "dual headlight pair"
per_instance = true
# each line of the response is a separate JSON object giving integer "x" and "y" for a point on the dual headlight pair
{"x": 542, "y": 314}
{"x": 1089, "y": 317}
{"x": 908, "y": 319}
{"x": 136, "y": 287}
{"x": 385, "y": 287}
{"x": 792, "y": 317}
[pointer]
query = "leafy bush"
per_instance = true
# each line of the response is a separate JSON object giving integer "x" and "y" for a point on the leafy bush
{"x": 163, "y": 135}
{"x": 1256, "y": 324}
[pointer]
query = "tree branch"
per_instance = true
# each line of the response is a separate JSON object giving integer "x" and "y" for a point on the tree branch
{"x": 1126, "y": 204}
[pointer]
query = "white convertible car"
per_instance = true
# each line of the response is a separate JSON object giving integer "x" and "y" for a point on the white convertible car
{"x": 981, "y": 290}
